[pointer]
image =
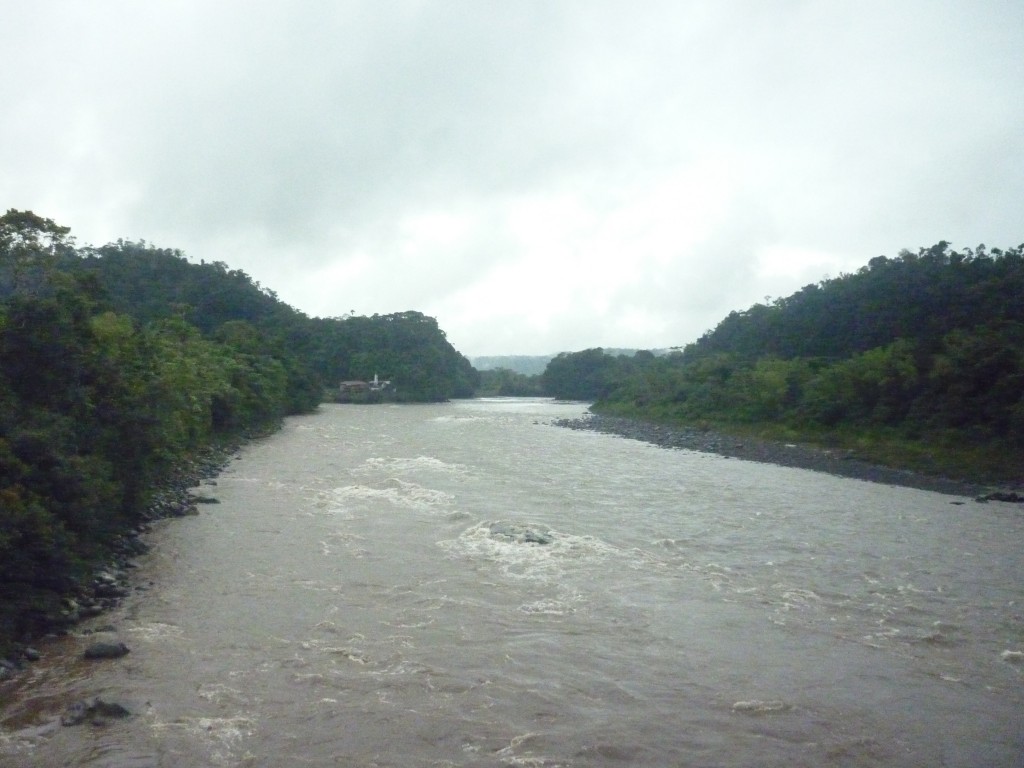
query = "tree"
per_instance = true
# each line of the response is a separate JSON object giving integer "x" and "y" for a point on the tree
{"x": 30, "y": 249}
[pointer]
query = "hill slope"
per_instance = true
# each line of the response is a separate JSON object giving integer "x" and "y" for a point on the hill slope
{"x": 916, "y": 360}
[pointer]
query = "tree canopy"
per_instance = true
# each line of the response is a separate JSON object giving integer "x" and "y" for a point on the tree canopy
{"x": 925, "y": 348}
{"x": 118, "y": 363}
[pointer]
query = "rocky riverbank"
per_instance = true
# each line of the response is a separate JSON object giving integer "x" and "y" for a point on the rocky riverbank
{"x": 833, "y": 461}
{"x": 110, "y": 580}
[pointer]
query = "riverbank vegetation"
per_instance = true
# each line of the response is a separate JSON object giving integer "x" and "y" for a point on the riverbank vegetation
{"x": 503, "y": 382}
{"x": 119, "y": 364}
{"x": 914, "y": 361}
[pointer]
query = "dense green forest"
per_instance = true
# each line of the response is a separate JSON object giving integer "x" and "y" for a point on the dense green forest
{"x": 119, "y": 363}
{"x": 407, "y": 348}
{"x": 503, "y": 382}
{"x": 917, "y": 360}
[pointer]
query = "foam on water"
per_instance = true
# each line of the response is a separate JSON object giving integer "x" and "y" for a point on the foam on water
{"x": 458, "y": 419}
{"x": 527, "y": 550}
{"x": 521, "y": 752}
{"x": 399, "y": 493}
{"x": 155, "y": 631}
{"x": 221, "y": 738}
{"x": 404, "y": 466}
{"x": 760, "y": 707}
{"x": 546, "y": 607}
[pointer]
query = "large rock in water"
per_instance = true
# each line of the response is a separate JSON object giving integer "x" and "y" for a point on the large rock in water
{"x": 98, "y": 712}
{"x": 522, "y": 534}
{"x": 106, "y": 651}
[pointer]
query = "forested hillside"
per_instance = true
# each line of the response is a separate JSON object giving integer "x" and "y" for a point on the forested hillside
{"x": 119, "y": 363}
{"x": 922, "y": 354}
{"x": 407, "y": 348}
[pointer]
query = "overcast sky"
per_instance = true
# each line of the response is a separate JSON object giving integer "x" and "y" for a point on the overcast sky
{"x": 538, "y": 175}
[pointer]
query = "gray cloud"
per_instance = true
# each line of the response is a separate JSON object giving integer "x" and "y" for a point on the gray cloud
{"x": 538, "y": 175}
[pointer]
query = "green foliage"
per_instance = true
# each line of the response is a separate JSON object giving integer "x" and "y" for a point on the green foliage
{"x": 923, "y": 350}
{"x": 921, "y": 296}
{"x": 406, "y": 348}
{"x": 586, "y": 375}
{"x": 118, "y": 363}
{"x": 30, "y": 250}
{"x": 594, "y": 374}
{"x": 154, "y": 285}
{"x": 503, "y": 382}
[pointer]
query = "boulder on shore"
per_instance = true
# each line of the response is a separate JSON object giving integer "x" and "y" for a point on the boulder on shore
{"x": 1011, "y": 497}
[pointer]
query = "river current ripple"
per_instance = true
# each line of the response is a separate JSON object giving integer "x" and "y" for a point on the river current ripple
{"x": 468, "y": 585}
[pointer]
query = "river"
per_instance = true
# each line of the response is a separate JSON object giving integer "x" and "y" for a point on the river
{"x": 467, "y": 584}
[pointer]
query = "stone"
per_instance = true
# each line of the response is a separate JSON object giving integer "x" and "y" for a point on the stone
{"x": 75, "y": 714}
{"x": 522, "y": 534}
{"x": 106, "y": 651}
{"x": 106, "y": 709}
{"x": 110, "y": 590}
{"x": 97, "y": 712}
{"x": 105, "y": 577}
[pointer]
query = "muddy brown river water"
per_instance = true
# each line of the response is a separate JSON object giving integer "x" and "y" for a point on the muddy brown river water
{"x": 468, "y": 585}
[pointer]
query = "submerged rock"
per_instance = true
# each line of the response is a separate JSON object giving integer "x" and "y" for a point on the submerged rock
{"x": 8, "y": 669}
{"x": 97, "y": 712}
{"x": 106, "y": 651}
{"x": 522, "y": 534}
